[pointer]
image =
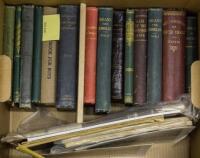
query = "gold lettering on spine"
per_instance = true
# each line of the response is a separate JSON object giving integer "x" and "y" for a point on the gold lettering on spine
{"x": 49, "y": 69}
{"x": 129, "y": 32}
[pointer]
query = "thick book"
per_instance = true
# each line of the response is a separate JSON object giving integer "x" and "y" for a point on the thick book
{"x": 26, "y": 55}
{"x": 154, "y": 60}
{"x": 9, "y": 28}
{"x": 191, "y": 47}
{"x": 17, "y": 56}
{"x": 37, "y": 49}
{"x": 104, "y": 53}
{"x": 49, "y": 66}
{"x": 174, "y": 29}
{"x": 117, "y": 55}
{"x": 90, "y": 55}
{"x": 129, "y": 57}
{"x": 140, "y": 50}
{"x": 67, "y": 57}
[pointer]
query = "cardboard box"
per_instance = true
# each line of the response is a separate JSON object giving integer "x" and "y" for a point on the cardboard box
{"x": 9, "y": 120}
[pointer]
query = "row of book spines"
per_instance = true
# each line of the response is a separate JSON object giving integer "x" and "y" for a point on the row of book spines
{"x": 149, "y": 80}
{"x": 129, "y": 69}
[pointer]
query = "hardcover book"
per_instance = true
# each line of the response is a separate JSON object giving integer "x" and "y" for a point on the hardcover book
{"x": 140, "y": 55}
{"x": 117, "y": 55}
{"x": 154, "y": 66}
{"x": 191, "y": 47}
{"x": 129, "y": 57}
{"x": 9, "y": 27}
{"x": 174, "y": 28}
{"x": 48, "y": 70}
{"x": 17, "y": 56}
{"x": 26, "y": 55}
{"x": 104, "y": 53}
{"x": 37, "y": 43}
{"x": 67, "y": 57}
{"x": 90, "y": 55}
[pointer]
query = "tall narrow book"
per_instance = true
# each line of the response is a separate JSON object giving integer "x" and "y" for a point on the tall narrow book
{"x": 104, "y": 53}
{"x": 26, "y": 55}
{"x": 81, "y": 63}
{"x": 174, "y": 28}
{"x": 140, "y": 55}
{"x": 154, "y": 60}
{"x": 117, "y": 55}
{"x": 17, "y": 56}
{"x": 37, "y": 49}
{"x": 90, "y": 55}
{"x": 67, "y": 57}
{"x": 9, "y": 27}
{"x": 48, "y": 70}
{"x": 129, "y": 57}
{"x": 191, "y": 47}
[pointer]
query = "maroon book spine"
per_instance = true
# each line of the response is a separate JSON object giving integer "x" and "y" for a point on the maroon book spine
{"x": 140, "y": 47}
{"x": 174, "y": 28}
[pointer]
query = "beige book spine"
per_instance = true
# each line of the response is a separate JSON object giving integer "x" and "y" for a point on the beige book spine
{"x": 48, "y": 79}
{"x": 81, "y": 70}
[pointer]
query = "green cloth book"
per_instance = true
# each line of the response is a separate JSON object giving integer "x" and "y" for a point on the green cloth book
{"x": 16, "y": 57}
{"x": 9, "y": 27}
{"x": 37, "y": 49}
{"x": 129, "y": 48}
{"x": 104, "y": 53}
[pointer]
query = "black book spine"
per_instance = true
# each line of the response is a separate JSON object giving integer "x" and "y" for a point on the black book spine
{"x": 67, "y": 58}
{"x": 26, "y": 55}
{"x": 117, "y": 54}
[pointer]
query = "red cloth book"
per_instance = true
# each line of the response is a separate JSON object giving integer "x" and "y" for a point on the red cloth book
{"x": 174, "y": 28}
{"x": 90, "y": 55}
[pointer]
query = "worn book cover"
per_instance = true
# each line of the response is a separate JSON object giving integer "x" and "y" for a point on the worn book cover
{"x": 174, "y": 27}
{"x": 26, "y": 55}
{"x": 68, "y": 57}
{"x": 17, "y": 56}
{"x": 117, "y": 55}
{"x": 140, "y": 50}
{"x": 154, "y": 60}
{"x": 104, "y": 53}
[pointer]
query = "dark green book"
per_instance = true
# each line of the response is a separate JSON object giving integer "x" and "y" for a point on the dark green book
{"x": 104, "y": 53}
{"x": 129, "y": 48}
{"x": 37, "y": 48}
{"x": 191, "y": 47}
{"x": 154, "y": 67}
{"x": 17, "y": 54}
{"x": 9, "y": 27}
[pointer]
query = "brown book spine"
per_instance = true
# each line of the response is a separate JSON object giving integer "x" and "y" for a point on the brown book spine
{"x": 90, "y": 55}
{"x": 140, "y": 55}
{"x": 48, "y": 74}
{"x": 174, "y": 28}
